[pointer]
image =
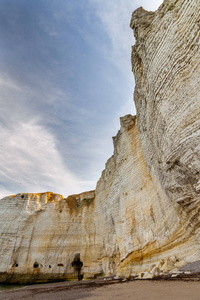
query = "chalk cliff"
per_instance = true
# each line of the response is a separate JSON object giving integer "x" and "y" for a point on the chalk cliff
{"x": 143, "y": 218}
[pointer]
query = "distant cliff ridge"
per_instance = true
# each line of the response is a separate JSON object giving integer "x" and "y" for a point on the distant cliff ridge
{"x": 143, "y": 219}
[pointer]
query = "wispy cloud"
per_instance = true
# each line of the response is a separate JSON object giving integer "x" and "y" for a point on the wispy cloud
{"x": 31, "y": 162}
{"x": 62, "y": 90}
{"x": 30, "y": 156}
{"x": 115, "y": 17}
{"x": 149, "y": 5}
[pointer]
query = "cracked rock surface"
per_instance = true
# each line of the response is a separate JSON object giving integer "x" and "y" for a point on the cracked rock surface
{"x": 143, "y": 219}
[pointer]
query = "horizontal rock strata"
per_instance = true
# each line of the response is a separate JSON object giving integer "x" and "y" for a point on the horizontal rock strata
{"x": 143, "y": 218}
{"x": 42, "y": 233}
{"x": 166, "y": 65}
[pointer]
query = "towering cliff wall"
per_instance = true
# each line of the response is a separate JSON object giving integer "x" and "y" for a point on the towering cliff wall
{"x": 42, "y": 233}
{"x": 143, "y": 217}
{"x": 166, "y": 64}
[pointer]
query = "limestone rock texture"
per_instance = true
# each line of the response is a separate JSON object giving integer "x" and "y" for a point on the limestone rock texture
{"x": 143, "y": 218}
{"x": 41, "y": 233}
{"x": 166, "y": 65}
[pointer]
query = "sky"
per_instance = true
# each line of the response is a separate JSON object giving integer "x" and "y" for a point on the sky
{"x": 65, "y": 80}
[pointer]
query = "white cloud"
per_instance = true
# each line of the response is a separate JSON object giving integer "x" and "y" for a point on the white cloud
{"x": 149, "y": 5}
{"x": 6, "y": 83}
{"x": 30, "y": 160}
{"x": 29, "y": 157}
{"x": 115, "y": 17}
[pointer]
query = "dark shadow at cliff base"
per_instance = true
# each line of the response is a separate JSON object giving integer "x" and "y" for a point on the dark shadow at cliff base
{"x": 28, "y": 278}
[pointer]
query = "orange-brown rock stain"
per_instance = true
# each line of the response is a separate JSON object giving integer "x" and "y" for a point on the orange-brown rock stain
{"x": 50, "y": 196}
{"x": 151, "y": 249}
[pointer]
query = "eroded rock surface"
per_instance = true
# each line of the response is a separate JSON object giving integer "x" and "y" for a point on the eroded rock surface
{"x": 143, "y": 218}
{"x": 166, "y": 61}
{"x": 42, "y": 233}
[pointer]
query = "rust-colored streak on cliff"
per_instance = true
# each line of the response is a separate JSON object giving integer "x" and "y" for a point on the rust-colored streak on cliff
{"x": 143, "y": 218}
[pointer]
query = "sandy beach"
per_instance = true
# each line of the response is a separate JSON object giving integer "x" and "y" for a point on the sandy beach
{"x": 136, "y": 290}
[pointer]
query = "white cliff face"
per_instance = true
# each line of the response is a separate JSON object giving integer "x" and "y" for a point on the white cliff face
{"x": 142, "y": 230}
{"x": 143, "y": 217}
{"x": 42, "y": 233}
{"x": 166, "y": 65}
{"x": 48, "y": 230}
{"x": 125, "y": 226}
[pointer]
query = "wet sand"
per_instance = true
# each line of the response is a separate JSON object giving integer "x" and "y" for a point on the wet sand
{"x": 107, "y": 290}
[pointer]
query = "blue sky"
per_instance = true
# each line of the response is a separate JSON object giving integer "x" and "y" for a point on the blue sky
{"x": 65, "y": 79}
